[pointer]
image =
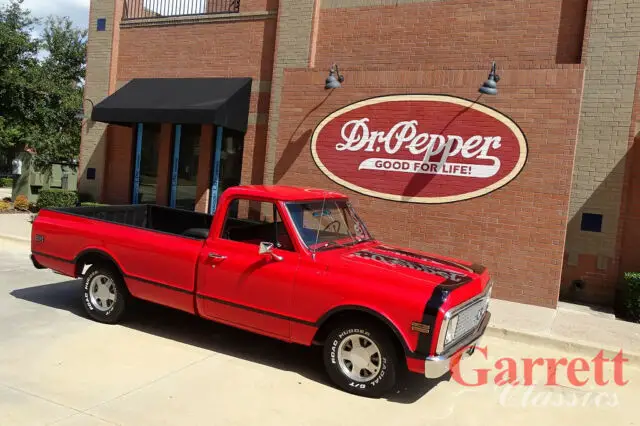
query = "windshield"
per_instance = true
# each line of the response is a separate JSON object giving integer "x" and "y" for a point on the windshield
{"x": 327, "y": 224}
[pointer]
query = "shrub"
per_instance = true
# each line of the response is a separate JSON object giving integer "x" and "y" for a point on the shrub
{"x": 57, "y": 198}
{"x": 5, "y": 206}
{"x": 21, "y": 203}
{"x": 631, "y": 296}
{"x": 6, "y": 182}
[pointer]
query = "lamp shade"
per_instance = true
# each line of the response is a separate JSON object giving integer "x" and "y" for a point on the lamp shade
{"x": 490, "y": 87}
{"x": 332, "y": 82}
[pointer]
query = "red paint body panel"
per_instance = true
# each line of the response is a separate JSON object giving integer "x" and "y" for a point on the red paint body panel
{"x": 415, "y": 365}
{"x": 288, "y": 299}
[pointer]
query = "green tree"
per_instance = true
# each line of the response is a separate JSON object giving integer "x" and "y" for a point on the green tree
{"x": 41, "y": 84}
{"x": 18, "y": 55}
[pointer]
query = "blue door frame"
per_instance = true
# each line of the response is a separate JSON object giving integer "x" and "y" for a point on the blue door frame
{"x": 135, "y": 191}
{"x": 215, "y": 172}
{"x": 174, "y": 167}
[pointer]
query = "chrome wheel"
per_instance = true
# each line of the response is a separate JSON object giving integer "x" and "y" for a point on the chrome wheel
{"x": 359, "y": 358}
{"x": 102, "y": 292}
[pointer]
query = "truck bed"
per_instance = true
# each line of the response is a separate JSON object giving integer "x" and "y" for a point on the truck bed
{"x": 147, "y": 216}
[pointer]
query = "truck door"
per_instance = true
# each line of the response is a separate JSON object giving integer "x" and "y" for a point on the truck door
{"x": 238, "y": 285}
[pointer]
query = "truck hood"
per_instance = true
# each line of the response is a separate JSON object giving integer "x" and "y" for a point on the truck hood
{"x": 383, "y": 261}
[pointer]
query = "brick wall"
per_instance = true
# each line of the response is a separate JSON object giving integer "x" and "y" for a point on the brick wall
{"x": 118, "y": 165}
{"x": 611, "y": 59}
{"x": 630, "y": 251}
{"x": 630, "y": 217}
{"x": 93, "y": 148}
{"x": 258, "y": 5}
{"x": 215, "y": 49}
{"x": 517, "y": 231}
{"x": 220, "y": 48}
{"x": 292, "y": 50}
{"x": 451, "y": 34}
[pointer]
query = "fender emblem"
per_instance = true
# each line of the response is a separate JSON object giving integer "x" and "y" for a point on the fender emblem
{"x": 39, "y": 238}
{"x": 420, "y": 328}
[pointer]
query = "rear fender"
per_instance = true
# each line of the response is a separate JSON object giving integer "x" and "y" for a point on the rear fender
{"x": 88, "y": 255}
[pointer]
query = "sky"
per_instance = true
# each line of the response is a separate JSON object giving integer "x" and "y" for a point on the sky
{"x": 76, "y": 10}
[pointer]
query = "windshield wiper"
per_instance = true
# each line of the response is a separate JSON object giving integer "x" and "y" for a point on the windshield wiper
{"x": 357, "y": 241}
{"x": 329, "y": 244}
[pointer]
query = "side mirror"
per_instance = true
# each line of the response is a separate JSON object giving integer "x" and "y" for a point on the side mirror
{"x": 266, "y": 249}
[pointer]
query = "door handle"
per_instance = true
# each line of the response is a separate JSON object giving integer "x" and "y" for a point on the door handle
{"x": 218, "y": 257}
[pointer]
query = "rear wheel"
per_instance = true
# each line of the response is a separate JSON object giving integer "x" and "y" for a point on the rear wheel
{"x": 361, "y": 359}
{"x": 104, "y": 294}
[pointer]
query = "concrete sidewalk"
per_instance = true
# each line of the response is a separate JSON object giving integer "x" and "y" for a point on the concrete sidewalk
{"x": 15, "y": 231}
{"x": 569, "y": 327}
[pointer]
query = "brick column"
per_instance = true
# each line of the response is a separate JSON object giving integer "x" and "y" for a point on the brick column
{"x": 293, "y": 45}
{"x": 165, "y": 155}
{"x": 118, "y": 168}
{"x": 100, "y": 65}
{"x": 611, "y": 59}
{"x": 204, "y": 168}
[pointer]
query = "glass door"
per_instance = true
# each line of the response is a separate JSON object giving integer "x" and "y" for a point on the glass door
{"x": 230, "y": 160}
{"x": 186, "y": 154}
{"x": 226, "y": 163}
{"x": 145, "y": 180}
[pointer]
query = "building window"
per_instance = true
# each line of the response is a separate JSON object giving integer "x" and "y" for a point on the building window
{"x": 591, "y": 222}
{"x": 101, "y": 24}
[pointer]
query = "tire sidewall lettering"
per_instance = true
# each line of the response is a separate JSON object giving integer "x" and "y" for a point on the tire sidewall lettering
{"x": 334, "y": 350}
{"x": 334, "y": 358}
{"x": 87, "y": 298}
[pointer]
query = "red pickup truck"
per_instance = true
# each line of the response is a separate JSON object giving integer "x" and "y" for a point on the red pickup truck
{"x": 296, "y": 264}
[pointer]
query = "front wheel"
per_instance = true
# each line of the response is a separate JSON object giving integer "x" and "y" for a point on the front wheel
{"x": 104, "y": 294}
{"x": 361, "y": 359}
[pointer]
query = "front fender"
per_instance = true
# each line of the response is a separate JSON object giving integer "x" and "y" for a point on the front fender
{"x": 399, "y": 332}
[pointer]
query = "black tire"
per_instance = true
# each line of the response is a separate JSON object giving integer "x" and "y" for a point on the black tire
{"x": 116, "y": 309}
{"x": 385, "y": 378}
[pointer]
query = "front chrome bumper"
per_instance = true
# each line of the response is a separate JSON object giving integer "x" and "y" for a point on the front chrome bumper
{"x": 439, "y": 365}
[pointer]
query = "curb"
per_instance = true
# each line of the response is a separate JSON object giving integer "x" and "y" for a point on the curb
{"x": 582, "y": 348}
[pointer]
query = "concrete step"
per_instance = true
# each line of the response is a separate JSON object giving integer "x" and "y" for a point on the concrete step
{"x": 570, "y": 327}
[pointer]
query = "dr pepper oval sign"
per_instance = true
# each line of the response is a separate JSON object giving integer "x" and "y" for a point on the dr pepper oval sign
{"x": 419, "y": 148}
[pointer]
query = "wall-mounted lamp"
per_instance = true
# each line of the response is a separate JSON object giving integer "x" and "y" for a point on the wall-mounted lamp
{"x": 80, "y": 114}
{"x": 490, "y": 86}
{"x": 335, "y": 79}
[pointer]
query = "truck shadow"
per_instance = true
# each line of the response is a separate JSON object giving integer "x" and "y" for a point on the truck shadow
{"x": 189, "y": 329}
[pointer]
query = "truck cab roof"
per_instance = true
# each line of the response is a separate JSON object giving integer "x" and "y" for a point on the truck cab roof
{"x": 283, "y": 193}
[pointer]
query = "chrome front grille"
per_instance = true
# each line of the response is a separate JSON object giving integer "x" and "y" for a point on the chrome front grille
{"x": 470, "y": 317}
{"x": 461, "y": 321}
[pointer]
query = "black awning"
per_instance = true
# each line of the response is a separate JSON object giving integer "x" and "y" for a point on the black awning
{"x": 220, "y": 101}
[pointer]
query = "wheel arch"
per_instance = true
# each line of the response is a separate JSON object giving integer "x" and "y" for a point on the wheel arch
{"x": 346, "y": 312}
{"x": 91, "y": 256}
